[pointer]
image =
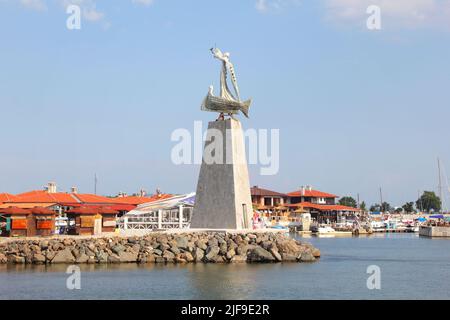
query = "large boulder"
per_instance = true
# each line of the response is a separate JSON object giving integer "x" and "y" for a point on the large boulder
{"x": 175, "y": 250}
{"x": 275, "y": 254}
{"x": 316, "y": 253}
{"x": 259, "y": 254}
{"x": 38, "y": 258}
{"x": 211, "y": 253}
{"x": 16, "y": 259}
{"x": 200, "y": 244}
{"x": 306, "y": 256}
{"x": 289, "y": 247}
{"x": 82, "y": 258}
{"x": 101, "y": 256}
{"x": 230, "y": 254}
{"x": 128, "y": 257}
{"x": 168, "y": 256}
{"x": 288, "y": 257}
{"x": 64, "y": 256}
{"x": 182, "y": 242}
{"x": 239, "y": 259}
{"x": 187, "y": 256}
{"x": 198, "y": 255}
{"x": 117, "y": 249}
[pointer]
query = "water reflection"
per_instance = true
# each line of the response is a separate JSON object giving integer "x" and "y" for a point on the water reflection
{"x": 340, "y": 273}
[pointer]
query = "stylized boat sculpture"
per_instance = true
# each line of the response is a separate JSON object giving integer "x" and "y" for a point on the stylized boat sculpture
{"x": 227, "y": 102}
{"x": 217, "y": 104}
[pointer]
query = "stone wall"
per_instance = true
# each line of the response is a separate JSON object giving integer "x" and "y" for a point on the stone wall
{"x": 205, "y": 247}
{"x": 430, "y": 231}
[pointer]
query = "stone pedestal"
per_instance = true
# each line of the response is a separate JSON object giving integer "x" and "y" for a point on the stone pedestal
{"x": 223, "y": 198}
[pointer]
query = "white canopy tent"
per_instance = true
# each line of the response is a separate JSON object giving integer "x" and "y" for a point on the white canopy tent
{"x": 171, "y": 213}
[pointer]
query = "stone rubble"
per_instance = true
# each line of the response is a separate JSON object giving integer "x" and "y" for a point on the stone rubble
{"x": 190, "y": 247}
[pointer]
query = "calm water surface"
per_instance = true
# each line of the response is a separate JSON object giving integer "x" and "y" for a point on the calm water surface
{"x": 411, "y": 268}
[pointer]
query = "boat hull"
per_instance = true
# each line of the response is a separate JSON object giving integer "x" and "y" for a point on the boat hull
{"x": 216, "y": 104}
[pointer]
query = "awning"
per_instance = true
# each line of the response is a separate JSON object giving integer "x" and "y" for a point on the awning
{"x": 437, "y": 216}
{"x": 123, "y": 207}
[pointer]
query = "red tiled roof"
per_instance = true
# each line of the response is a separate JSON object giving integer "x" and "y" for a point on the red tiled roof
{"x": 4, "y": 197}
{"x": 41, "y": 210}
{"x": 136, "y": 200}
{"x": 123, "y": 207}
{"x": 323, "y": 207}
{"x": 256, "y": 191}
{"x": 107, "y": 210}
{"x": 15, "y": 210}
{"x": 84, "y": 210}
{"x": 92, "y": 198}
{"x": 44, "y": 196}
{"x": 311, "y": 193}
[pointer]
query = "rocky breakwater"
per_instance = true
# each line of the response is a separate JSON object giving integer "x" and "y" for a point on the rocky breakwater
{"x": 160, "y": 248}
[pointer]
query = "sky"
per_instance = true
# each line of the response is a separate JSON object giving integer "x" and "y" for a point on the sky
{"x": 357, "y": 109}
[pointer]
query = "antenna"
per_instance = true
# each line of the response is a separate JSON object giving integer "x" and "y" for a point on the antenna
{"x": 95, "y": 183}
{"x": 381, "y": 201}
{"x": 440, "y": 184}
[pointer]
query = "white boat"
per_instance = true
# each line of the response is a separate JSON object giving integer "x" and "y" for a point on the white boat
{"x": 378, "y": 226}
{"x": 325, "y": 230}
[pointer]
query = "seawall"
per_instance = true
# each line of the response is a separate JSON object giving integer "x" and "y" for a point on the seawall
{"x": 189, "y": 247}
{"x": 430, "y": 231}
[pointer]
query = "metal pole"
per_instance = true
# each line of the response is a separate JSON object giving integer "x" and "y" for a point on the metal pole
{"x": 381, "y": 201}
{"x": 180, "y": 216}
{"x": 159, "y": 219}
{"x": 440, "y": 186}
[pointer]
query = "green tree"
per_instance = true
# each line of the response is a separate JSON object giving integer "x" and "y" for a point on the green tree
{"x": 429, "y": 201}
{"x": 348, "y": 201}
{"x": 385, "y": 207}
{"x": 362, "y": 206}
{"x": 409, "y": 207}
{"x": 375, "y": 208}
{"x": 399, "y": 210}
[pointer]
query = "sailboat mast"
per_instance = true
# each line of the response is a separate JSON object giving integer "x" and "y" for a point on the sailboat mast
{"x": 381, "y": 201}
{"x": 440, "y": 185}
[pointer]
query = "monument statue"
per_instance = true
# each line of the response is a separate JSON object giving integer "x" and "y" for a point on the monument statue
{"x": 223, "y": 198}
{"x": 227, "y": 102}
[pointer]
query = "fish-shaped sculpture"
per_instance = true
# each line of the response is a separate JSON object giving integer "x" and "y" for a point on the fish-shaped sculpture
{"x": 217, "y": 104}
{"x": 227, "y": 102}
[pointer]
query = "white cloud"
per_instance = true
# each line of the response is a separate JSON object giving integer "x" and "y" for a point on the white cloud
{"x": 38, "y": 5}
{"x": 143, "y": 2}
{"x": 89, "y": 9}
{"x": 394, "y": 13}
{"x": 264, "y": 6}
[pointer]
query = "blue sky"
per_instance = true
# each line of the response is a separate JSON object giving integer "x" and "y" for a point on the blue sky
{"x": 357, "y": 109}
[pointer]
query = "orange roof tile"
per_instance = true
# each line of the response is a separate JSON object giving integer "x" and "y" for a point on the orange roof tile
{"x": 311, "y": 193}
{"x": 92, "y": 198}
{"x": 257, "y": 191}
{"x": 44, "y": 196}
{"x": 4, "y": 197}
{"x": 323, "y": 207}
{"x": 27, "y": 205}
{"x": 136, "y": 200}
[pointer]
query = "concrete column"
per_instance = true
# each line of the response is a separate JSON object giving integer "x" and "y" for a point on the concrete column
{"x": 223, "y": 188}
{"x": 159, "y": 219}
{"x": 125, "y": 223}
{"x": 180, "y": 216}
